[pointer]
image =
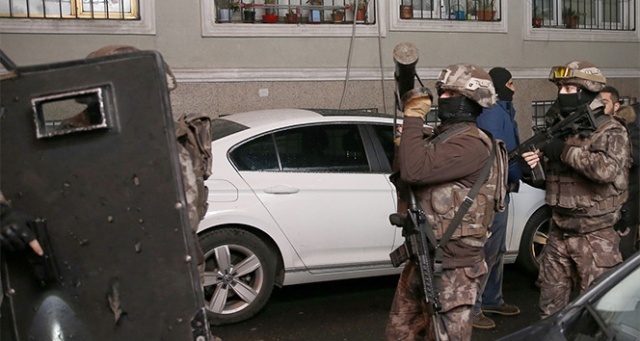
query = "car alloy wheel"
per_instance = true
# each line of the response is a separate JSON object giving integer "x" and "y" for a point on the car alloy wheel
{"x": 239, "y": 274}
{"x": 534, "y": 239}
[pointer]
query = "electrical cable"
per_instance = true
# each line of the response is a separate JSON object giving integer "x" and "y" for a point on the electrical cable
{"x": 349, "y": 58}
{"x": 384, "y": 101}
{"x": 351, "y": 46}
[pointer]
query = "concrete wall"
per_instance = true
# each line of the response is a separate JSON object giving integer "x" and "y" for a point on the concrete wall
{"x": 222, "y": 75}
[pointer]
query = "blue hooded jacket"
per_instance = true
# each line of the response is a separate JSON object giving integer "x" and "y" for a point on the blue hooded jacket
{"x": 500, "y": 121}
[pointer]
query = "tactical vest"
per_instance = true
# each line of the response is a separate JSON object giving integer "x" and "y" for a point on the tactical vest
{"x": 571, "y": 193}
{"x": 442, "y": 201}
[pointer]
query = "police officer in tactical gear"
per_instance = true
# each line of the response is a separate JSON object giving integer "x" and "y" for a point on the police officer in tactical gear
{"x": 441, "y": 168}
{"x": 587, "y": 175}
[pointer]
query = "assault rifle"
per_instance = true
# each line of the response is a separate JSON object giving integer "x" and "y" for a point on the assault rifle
{"x": 582, "y": 122}
{"x": 416, "y": 246}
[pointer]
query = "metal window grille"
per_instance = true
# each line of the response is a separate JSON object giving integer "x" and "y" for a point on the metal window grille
{"x": 538, "y": 112}
{"x": 608, "y": 15}
{"x": 627, "y": 100}
{"x": 468, "y": 10}
{"x": 296, "y": 11}
{"x": 432, "y": 117}
{"x": 71, "y": 9}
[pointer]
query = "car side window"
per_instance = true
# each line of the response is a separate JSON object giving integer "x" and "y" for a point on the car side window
{"x": 256, "y": 155}
{"x": 322, "y": 148}
{"x": 385, "y": 134}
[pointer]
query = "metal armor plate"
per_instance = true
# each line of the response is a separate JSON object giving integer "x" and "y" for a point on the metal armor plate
{"x": 89, "y": 148}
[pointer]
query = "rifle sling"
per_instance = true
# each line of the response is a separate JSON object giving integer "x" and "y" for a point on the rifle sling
{"x": 457, "y": 218}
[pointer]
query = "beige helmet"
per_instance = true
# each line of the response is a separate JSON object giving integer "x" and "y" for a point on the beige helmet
{"x": 118, "y": 49}
{"x": 580, "y": 73}
{"x": 469, "y": 80}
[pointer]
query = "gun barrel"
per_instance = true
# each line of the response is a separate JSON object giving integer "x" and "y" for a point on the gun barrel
{"x": 405, "y": 56}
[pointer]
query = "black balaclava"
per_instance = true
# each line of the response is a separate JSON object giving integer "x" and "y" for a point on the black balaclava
{"x": 569, "y": 103}
{"x": 500, "y": 76}
{"x": 458, "y": 109}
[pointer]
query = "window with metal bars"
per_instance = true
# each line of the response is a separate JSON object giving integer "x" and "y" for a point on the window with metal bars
{"x": 70, "y": 9}
{"x": 607, "y": 15}
{"x": 539, "y": 109}
{"x": 468, "y": 10}
{"x": 295, "y": 11}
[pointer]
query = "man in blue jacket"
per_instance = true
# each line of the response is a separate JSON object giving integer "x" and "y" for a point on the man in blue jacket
{"x": 499, "y": 120}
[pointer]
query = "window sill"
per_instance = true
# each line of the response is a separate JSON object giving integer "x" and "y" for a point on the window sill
{"x": 212, "y": 29}
{"x": 145, "y": 26}
{"x": 577, "y": 34}
{"x": 397, "y": 24}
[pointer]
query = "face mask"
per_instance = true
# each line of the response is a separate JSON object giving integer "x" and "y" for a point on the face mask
{"x": 505, "y": 93}
{"x": 458, "y": 108}
{"x": 570, "y": 102}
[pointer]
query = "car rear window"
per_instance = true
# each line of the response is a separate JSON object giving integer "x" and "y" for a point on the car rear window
{"x": 221, "y": 128}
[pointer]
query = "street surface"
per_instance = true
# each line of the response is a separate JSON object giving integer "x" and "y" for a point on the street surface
{"x": 356, "y": 310}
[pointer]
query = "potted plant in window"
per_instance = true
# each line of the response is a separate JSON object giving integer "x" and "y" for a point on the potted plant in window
{"x": 406, "y": 11}
{"x": 337, "y": 16}
{"x": 249, "y": 12}
{"x": 486, "y": 10}
{"x": 570, "y": 17}
{"x": 536, "y": 17}
{"x": 226, "y": 8}
{"x": 270, "y": 12}
{"x": 291, "y": 17}
{"x": 472, "y": 10}
{"x": 361, "y": 10}
{"x": 315, "y": 14}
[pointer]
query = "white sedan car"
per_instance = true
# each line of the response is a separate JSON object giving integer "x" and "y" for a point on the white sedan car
{"x": 301, "y": 196}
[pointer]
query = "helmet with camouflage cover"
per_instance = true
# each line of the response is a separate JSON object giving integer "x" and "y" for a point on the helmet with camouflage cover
{"x": 580, "y": 73}
{"x": 470, "y": 81}
{"x": 118, "y": 49}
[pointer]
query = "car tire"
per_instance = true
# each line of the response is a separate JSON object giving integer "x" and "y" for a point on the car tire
{"x": 534, "y": 238}
{"x": 239, "y": 275}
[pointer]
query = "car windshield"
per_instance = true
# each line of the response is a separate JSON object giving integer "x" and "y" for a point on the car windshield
{"x": 615, "y": 315}
{"x": 619, "y": 308}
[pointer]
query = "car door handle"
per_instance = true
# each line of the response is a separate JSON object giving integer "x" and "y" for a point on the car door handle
{"x": 281, "y": 189}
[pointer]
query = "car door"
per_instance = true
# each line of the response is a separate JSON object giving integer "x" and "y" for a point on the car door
{"x": 324, "y": 195}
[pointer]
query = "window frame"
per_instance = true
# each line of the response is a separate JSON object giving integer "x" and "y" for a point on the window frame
{"x": 577, "y": 34}
{"x": 210, "y": 28}
{"x": 145, "y": 26}
{"x": 397, "y": 24}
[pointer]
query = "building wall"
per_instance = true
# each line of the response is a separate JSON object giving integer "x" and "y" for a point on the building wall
{"x": 221, "y": 75}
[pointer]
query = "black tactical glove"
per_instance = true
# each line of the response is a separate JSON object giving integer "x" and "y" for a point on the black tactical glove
{"x": 524, "y": 167}
{"x": 15, "y": 233}
{"x": 554, "y": 149}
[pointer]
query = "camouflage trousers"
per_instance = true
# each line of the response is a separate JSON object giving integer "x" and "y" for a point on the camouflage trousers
{"x": 572, "y": 262}
{"x": 409, "y": 318}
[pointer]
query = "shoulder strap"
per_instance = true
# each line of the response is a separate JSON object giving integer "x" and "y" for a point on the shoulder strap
{"x": 458, "y": 128}
{"x": 457, "y": 218}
